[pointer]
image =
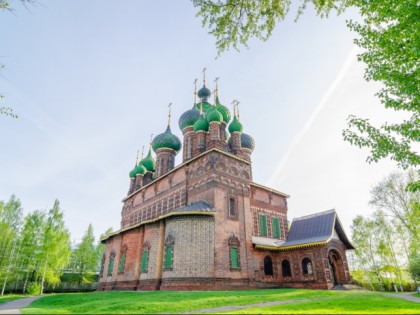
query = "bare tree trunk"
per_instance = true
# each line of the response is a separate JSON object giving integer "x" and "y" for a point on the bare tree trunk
{"x": 25, "y": 283}
{"x": 8, "y": 268}
{"x": 43, "y": 275}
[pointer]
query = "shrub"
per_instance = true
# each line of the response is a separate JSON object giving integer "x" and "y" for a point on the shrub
{"x": 34, "y": 288}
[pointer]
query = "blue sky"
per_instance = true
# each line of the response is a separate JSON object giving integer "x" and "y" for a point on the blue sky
{"x": 91, "y": 80}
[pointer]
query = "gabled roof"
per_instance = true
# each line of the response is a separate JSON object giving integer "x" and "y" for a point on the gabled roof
{"x": 312, "y": 230}
{"x": 200, "y": 208}
{"x": 315, "y": 229}
{"x": 196, "y": 206}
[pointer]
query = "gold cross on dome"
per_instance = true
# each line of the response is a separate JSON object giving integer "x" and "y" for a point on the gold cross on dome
{"x": 204, "y": 75}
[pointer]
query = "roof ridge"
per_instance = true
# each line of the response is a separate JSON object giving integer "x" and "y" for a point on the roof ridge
{"x": 315, "y": 215}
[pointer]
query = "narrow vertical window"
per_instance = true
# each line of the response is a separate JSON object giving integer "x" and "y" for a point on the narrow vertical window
{"x": 111, "y": 265}
{"x": 232, "y": 208}
{"x": 168, "y": 257}
{"x": 122, "y": 262}
{"x": 144, "y": 261}
{"x": 263, "y": 225}
{"x": 234, "y": 261}
{"x": 275, "y": 227}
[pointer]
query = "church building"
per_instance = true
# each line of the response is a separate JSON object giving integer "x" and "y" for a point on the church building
{"x": 206, "y": 225}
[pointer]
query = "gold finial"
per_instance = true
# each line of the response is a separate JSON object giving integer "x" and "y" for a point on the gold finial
{"x": 234, "y": 107}
{"x": 217, "y": 89}
{"x": 201, "y": 107}
{"x": 237, "y": 110}
{"x": 142, "y": 152}
{"x": 137, "y": 158}
{"x": 195, "y": 91}
{"x": 204, "y": 76}
{"x": 214, "y": 94}
{"x": 169, "y": 114}
{"x": 151, "y": 139}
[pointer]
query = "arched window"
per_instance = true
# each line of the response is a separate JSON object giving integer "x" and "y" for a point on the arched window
{"x": 169, "y": 252}
{"x": 101, "y": 273}
{"x": 307, "y": 266}
{"x": 268, "y": 266}
{"x": 234, "y": 246}
{"x": 122, "y": 259}
{"x": 232, "y": 207}
{"x": 111, "y": 263}
{"x": 285, "y": 268}
{"x": 145, "y": 257}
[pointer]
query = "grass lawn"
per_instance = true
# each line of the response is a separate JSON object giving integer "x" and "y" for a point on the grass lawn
{"x": 10, "y": 297}
{"x": 342, "y": 304}
{"x": 417, "y": 295}
{"x": 177, "y": 302}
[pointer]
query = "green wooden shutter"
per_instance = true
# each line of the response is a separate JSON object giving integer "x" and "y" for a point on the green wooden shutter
{"x": 234, "y": 264}
{"x": 144, "y": 262}
{"x": 168, "y": 258}
{"x": 275, "y": 227}
{"x": 122, "y": 262}
{"x": 263, "y": 225}
{"x": 110, "y": 266}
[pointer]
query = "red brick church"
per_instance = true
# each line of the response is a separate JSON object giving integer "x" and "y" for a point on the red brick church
{"x": 205, "y": 224}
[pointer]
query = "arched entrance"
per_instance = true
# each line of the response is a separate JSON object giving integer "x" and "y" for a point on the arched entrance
{"x": 268, "y": 266}
{"x": 338, "y": 274}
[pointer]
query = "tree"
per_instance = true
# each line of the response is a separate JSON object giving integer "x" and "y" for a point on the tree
{"x": 86, "y": 258}
{"x": 234, "y": 22}
{"x": 32, "y": 237}
{"x": 55, "y": 247}
{"x": 391, "y": 196}
{"x": 366, "y": 244}
{"x": 389, "y": 36}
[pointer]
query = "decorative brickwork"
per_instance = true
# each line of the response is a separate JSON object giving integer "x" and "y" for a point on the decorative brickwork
{"x": 205, "y": 225}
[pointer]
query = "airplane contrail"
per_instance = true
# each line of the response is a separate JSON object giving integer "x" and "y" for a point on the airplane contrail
{"x": 343, "y": 71}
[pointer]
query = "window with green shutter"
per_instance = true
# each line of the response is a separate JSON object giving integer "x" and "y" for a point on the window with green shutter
{"x": 263, "y": 225}
{"x": 234, "y": 261}
{"x": 144, "y": 261}
{"x": 168, "y": 257}
{"x": 110, "y": 265}
{"x": 122, "y": 263}
{"x": 275, "y": 227}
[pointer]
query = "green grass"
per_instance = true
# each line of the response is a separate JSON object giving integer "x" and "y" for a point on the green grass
{"x": 417, "y": 295}
{"x": 178, "y": 302}
{"x": 10, "y": 297}
{"x": 350, "y": 304}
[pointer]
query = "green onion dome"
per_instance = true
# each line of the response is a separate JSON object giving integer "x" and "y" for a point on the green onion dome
{"x": 140, "y": 169}
{"x": 201, "y": 124}
{"x": 206, "y": 106}
{"x": 148, "y": 162}
{"x": 132, "y": 173}
{"x": 223, "y": 110}
{"x": 204, "y": 93}
{"x": 235, "y": 125}
{"x": 166, "y": 140}
{"x": 214, "y": 115}
{"x": 247, "y": 142}
{"x": 188, "y": 118}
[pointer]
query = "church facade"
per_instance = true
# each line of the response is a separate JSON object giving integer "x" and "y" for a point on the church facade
{"x": 205, "y": 225}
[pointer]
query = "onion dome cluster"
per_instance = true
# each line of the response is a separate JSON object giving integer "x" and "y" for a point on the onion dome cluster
{"x": 235, "y": 125}
{"x": 166, "y": 140}
{"x": 247, "y": 142}
{"x": 188, "y": 118}
{"x": 201, "y": 124}
{"x": 223, "y": 110}
{"x": 144, "y": 166}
